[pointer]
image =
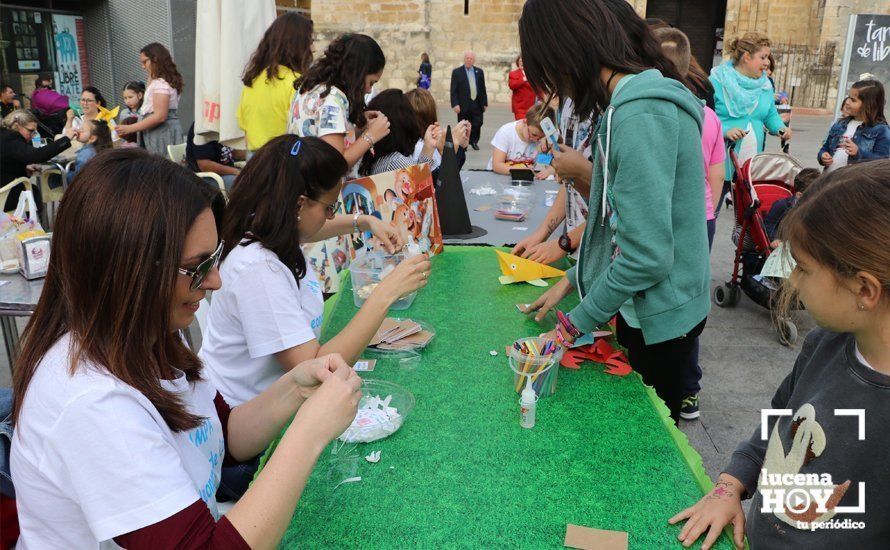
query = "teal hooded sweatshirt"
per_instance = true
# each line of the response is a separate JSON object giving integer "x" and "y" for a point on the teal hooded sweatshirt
{"x": 648, "y": 152}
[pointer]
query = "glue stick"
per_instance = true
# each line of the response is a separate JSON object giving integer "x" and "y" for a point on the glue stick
{"x": 527, "y": 402}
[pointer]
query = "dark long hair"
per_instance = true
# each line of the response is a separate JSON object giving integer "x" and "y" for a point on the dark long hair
{"x": 345, "y": 64}
{"x": 162, "y": 65}
{"x": 403, "y": 129}
{"x": 613, "y": 35}
{"x": 263, "y": 202}
{"x": 112, "y": 274}
{"x": 871, "y": 94}
{"x": 100, "y": 99}
{"x": 287, "y": 43}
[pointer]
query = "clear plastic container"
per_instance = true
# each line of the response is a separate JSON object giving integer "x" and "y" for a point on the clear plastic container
{"x": 543, "y": 369}
{"x": 513, "y": 207}
{"x": 377, "y": 421}
{"x": 371, "y": 267}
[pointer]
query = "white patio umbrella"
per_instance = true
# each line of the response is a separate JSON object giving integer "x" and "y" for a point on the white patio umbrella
{"x": 227, "y": 32}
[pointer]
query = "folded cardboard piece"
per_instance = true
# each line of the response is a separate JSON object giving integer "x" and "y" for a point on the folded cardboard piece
{"x": 400, "y": 334}
{"x": 587, "y": 538}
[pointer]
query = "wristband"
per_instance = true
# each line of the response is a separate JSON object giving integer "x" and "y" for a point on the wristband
{"x": 567, "y": 325}
{"x": 355, "y": 227}
{"x": 370, "y": 141}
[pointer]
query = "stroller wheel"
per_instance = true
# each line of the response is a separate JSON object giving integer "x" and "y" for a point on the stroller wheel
{"x": 787, "y": 332}
{"x": 726, "y": 295}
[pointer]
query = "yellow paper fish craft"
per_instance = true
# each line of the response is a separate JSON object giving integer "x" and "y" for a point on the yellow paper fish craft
{"x": 520, "y": 270}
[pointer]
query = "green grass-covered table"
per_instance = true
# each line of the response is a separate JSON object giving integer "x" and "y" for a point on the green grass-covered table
{"x": 461, "y": 472}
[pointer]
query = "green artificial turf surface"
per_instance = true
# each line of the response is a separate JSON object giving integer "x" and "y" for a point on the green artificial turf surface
{"x": 462, "y": 473}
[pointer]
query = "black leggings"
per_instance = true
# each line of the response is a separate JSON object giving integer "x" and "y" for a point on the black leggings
{"x": 662, "y": 365}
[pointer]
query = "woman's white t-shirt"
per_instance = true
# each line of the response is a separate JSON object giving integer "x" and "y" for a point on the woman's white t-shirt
{"x": 507, "y": 139}
{"x": 259, "y": 311}
{"x": 92, "y": 458}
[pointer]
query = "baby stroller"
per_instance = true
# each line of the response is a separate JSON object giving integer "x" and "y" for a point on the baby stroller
{"x": 758, "y": 183}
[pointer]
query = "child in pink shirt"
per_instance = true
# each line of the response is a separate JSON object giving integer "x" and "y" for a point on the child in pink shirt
{"x": 714, "y": 155}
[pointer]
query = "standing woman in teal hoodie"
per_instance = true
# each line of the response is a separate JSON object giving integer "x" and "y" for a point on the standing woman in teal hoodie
{"x": 744, "y": 97}
{"x": 644, "y": 253}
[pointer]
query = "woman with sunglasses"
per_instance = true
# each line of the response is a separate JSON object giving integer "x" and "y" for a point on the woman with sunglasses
{"x": 118, "y": 434}
{"x": 268, "y": 315}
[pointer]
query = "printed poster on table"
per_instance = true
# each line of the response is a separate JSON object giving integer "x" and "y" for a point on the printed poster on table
{"x": 403, "y": 198}
{"x": 69, "y": 80}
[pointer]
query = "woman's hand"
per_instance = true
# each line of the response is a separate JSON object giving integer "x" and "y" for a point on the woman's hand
{"x": 550, "y": 299}
{"x": 332, "y": 406}
{"x": 546, "y": 252}
{"x": 431, "y": 136}
{"x": 69, "y": 115}
{"x": 70, "y": 132}
{"x": 720, "y": 507}
{"x": 570, "y": 163}
{"x": 850, "y": 147}
{"x": 827, "y": 159}
{"x": 410, "y": 275}
{"x": 734, "y": 134}
{"x": 386, "y": 234}
{"x": 523, "y": 247}
{"x": 124, "y": 129}
{"x": 378, "y": 125}
{"x": 310, "y": 374}
{"x": 785, "y": 134}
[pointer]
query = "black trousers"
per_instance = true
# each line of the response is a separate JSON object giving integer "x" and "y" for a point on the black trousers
{"x": 662, "y": 365}
{"x": 474, "y": 114}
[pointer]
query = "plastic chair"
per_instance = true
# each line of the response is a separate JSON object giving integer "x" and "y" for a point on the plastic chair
{"x": 176, "y": 153}
{"x": 6, "y": 189}
{"x": 52, "y": 195}
{"x": 217, "y": 179}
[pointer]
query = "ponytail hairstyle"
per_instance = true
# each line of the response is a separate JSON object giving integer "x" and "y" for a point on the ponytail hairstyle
{"x": 287, "y": 43}
{"x": 845, "y": 240}
{"x": 871, "y": 94}
{"x": 346, "y": 62}
{"x": 102, "y": 131}
{"x": 538, "y": 112}
{"x": 263, "y": 203}
{"x": 750, "y": 43}
{"x": 614, "y": 38}
{"x": 162, "y": 65}
{"x": 112, "y": 276}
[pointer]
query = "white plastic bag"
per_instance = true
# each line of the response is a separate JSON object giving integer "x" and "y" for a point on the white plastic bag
{"x": 748, "y": 147}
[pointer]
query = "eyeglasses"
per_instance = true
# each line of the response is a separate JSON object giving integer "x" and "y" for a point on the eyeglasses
{"x": 199, "y": 273}
{"x": 83, "y": 100}
{"x": 330, "y": 209}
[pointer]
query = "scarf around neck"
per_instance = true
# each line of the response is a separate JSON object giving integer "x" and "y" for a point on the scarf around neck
{"x": 740, "y": 93}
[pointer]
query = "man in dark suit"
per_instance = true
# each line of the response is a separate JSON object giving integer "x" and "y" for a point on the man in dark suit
{"x": 468, "y": 97}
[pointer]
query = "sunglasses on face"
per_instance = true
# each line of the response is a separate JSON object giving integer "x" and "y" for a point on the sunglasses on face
{"x": 200, "y": 272}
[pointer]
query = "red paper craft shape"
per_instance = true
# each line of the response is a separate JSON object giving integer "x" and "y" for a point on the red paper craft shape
{"x": 599, "y": 352}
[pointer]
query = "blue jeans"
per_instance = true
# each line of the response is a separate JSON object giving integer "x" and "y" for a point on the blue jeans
{"x": 235, "y": 480}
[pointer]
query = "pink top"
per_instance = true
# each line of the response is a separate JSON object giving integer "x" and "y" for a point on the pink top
{"x": 158, "y": 86}
{"x": 713, "y": 153}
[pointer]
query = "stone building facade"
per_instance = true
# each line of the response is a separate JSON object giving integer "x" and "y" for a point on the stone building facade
{"x": 446, "y": 28}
